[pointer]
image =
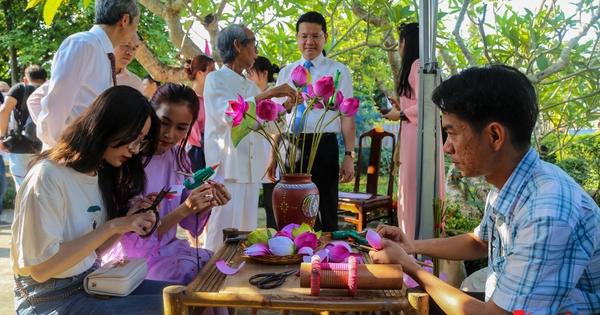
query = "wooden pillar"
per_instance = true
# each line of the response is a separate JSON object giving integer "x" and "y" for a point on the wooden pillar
{"x": 173, "y": 300}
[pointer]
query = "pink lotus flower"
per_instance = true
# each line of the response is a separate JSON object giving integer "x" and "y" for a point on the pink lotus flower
{"x": 306, "y": 239}
{"x": 237, "y": 110}
{"x": 349, "y": 107}
{"x": 324, "y": 88}
{"x": 339, "y": 98}
{"x": 300, "y": 77}
{"x": 267, "y": 110}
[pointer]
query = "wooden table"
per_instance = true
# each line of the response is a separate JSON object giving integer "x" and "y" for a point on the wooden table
{"x": 212, "y": 288}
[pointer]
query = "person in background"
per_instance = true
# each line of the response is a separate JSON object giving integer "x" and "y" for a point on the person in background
{"x": 169, "y": 258}
{"x": 74, "y": 206}
{"x": 243, "y": 166}
{"x": 4, "y": 87}
{"x": 540, "y": 230}
{"x": 124, "y": 55}
{"x": 84, "y": 66}
{"x": 197, "y": 69}
{"x": 311, "y": 35}
{"x": 15, "y": 98}
{"x": 150, "y": 86}
{"x": 263, "y": 74}
{"x": 407, "y": 112}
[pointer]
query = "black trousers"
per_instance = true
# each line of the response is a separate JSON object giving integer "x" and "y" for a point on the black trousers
{"x": 325, "y": 174}
{"x": 268, "y": 203}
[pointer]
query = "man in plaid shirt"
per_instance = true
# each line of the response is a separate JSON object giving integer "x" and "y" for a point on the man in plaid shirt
{"x": 540, "y": 230}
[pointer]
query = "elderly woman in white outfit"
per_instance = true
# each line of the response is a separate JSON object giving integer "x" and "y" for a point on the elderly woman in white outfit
{"x": 243, "y": 166}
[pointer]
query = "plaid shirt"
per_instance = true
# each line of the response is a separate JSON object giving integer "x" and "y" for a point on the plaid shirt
{"x": 543, "y": 234}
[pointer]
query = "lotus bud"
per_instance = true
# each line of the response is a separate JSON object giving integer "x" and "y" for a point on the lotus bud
{"x": 324, "y": 88}
{"x": 349, "y": 107}
{"x": 300, "y": 77}
{"x": 281, "y": 246}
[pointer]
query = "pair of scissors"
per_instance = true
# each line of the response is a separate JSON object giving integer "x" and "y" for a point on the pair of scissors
{"x": 161, "y": 195}
{"x": 270, "y": 280}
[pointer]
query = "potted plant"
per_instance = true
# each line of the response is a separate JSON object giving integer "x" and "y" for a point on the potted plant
{"x": 295, "y": 197}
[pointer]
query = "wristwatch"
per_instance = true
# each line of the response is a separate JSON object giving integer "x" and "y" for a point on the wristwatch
{"x": 402, "y": 116}
{"x": 350, "y": 153}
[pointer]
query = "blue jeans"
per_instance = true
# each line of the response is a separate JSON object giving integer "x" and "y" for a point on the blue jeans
{"x": 2, "y": 181}
{"x": 146, "y": 299}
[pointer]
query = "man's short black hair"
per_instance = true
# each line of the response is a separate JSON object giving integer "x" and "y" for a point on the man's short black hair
{"x": 312, "y": 17}
{"x": 150, "y": 79}
{"x": 36, "y": 73}
{"x": 482, "y": 95}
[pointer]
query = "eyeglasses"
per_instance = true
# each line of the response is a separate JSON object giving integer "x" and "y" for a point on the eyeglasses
{"x": 314, "y": 37}
{"x": 251, "y": 72}
{"x": 140, "y": 144}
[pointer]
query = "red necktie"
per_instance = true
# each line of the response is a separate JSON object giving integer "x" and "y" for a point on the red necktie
{"x": 113, "y": 67}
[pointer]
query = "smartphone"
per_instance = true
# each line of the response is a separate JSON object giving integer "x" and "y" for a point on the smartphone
{"x": 383, "y": 103}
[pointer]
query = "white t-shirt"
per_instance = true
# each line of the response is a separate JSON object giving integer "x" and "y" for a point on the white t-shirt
{"x": 54, "y": 205}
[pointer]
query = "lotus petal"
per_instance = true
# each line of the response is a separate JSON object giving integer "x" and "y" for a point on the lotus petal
{"x": 339, "y": 252}
{"x": 257, "y": 250}
{"x": 258, "y": 237}
{"x": 306, "y": 251}
{"x": 224, "y": 268}
{"x": 323, "y": 255}
{"x": 299, "y": 229}
{"x": 374, "y": 239}
{"x": 285, "y": 234}
{"x": 290, "y": 227}
{"x": 306, "y": 239}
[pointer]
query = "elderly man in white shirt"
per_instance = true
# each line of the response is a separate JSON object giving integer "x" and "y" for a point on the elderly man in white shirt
{"x": 82, "y": 67}
{"x": 124, "y": 54}
{"x": 244, "y": 166}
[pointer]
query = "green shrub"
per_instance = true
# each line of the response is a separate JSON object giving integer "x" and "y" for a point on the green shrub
{"x": 8, "y": 200}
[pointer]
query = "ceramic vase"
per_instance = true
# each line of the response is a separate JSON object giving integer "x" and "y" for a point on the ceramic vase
{"x": 295, "y": 200}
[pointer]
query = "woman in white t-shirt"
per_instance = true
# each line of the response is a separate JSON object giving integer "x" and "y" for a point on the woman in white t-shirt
{"x": 74, "y": 205}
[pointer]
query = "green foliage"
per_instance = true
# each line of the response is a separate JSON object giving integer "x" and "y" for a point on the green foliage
{"x": 8, "y": 200}
{"x": 580, "y": 158}
{"x": 35, "y": 43}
